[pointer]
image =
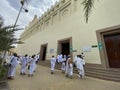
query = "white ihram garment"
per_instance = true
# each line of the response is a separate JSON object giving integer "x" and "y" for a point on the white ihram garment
{"x": 12, "y": 68}
{"x": 24, "y": 63}
{"x": 63, "y": 66}
{"x": 80, "y": 63}
{"x": 69, "y": 68}
{"x": 32, "y": 66}
{"x": 75, "y": 60}
{"x": 36, "y": 59}
{"x": 53, "y": 61}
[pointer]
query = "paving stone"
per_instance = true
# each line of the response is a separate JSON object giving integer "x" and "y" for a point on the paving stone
{"x": 43, "y": 80}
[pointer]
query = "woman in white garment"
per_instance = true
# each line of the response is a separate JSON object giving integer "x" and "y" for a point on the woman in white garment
{"x": 69, "y": 67}
{"x": 12, "y": 66}
{"x": 32, "y": 65}
{"x": 80, "y": 66}
{"x": 52, "y": 62}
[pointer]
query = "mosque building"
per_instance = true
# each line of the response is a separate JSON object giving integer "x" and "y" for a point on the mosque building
{"x": 63, "y": 30}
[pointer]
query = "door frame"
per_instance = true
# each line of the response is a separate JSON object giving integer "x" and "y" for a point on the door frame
{"x": 69, "y": 39}
{"x": 41, "y": 51}
{"x": 100, "y": 38}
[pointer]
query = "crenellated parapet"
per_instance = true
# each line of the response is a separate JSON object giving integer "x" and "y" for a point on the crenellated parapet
{"x": 59, "y": 11}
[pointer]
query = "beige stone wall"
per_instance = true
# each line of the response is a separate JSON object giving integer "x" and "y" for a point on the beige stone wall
{"x": 66, "y": 19}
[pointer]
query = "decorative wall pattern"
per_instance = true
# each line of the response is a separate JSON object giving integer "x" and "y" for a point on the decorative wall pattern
{"x": 57, "y": 12}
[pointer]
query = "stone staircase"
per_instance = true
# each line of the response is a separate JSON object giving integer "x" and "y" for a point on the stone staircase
{"x": 107, "y": 74}
{"x": 101, "y": 73}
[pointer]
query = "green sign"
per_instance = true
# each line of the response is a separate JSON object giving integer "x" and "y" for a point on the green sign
{"x": 94, "y": 46}
{"x": 100, "y": 46}
{"x": 74, "y": 50}
{"x": 71, "y": 49}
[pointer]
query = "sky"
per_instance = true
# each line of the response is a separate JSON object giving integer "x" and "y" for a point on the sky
{"x": 9, "y": 10}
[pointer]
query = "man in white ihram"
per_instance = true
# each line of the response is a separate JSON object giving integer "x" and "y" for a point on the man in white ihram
{"x": 32, "y": 65}
{"x": 24, "y": 64}
{"x": 69, "y": 67}
{"x": 80, "y": 66}
{"x": 12, "y": 66}
{"x": 52, "y": 62}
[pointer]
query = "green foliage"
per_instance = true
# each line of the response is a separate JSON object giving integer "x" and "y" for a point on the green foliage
{"x": 88, "y": 5}
{"x": 3, "y": 71}
{"x": 7, "y": 36}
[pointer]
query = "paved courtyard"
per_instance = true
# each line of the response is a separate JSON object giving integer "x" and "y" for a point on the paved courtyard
{"x": 43, "y": 80}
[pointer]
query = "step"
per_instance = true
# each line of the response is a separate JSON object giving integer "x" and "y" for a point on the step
{"x": 104, "y": 71}
{"x": 103, "y": 77}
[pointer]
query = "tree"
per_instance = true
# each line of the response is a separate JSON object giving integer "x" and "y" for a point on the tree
{"x": 7, "y": 38}
{"x": 88, "y": 5}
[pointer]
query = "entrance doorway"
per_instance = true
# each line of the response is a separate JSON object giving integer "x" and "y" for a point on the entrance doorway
{"x": 112, "y": 44}
{"x": 64, "y": 46}
{"x": 110, "y": 51}
{"x": 43, "y": 51}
